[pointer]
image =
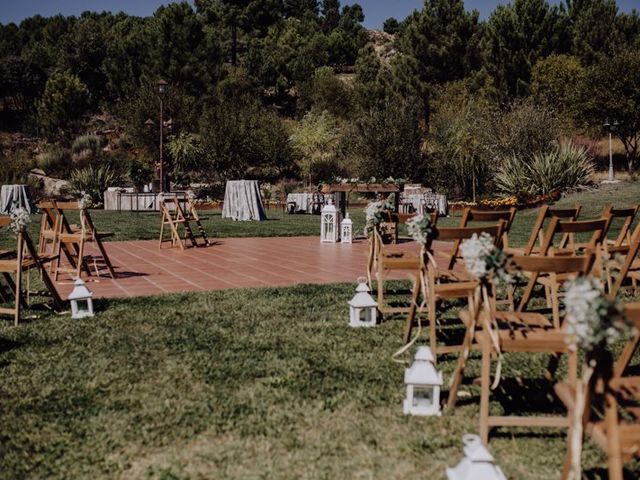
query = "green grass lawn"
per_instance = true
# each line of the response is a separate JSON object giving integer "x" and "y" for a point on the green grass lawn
{"x": 146, "y": 226}
{"x": 266, "y": 383}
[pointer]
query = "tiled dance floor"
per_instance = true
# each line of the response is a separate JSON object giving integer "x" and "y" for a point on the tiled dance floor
{"x": 143, "y": 269}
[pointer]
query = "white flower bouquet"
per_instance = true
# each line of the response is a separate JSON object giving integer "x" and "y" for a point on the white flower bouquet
{"x": 84, "y": 201}
{"x": 484, "y": 260}
{"x": 593, "y": 320}
{"x": 374, "y": 213}
{"x": 419, "y": 227}
{"x": 20, "y": 219}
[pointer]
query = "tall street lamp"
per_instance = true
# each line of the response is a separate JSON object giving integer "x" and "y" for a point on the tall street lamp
{"x": 609, "y": 126}
{"x": 160, "y": 183}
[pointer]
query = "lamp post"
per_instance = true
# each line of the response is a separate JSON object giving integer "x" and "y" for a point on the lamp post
{"x": 160, "y": 183}
{"x": 609, "y": 126}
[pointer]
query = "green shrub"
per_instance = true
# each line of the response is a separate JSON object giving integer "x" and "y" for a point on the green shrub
{"x": 87, "y": 143}
{"x": 140, "y": 173}
{"x": 565, "y": 167}
{"x": 55, "y": 162}
{"x": 93, "y": 180}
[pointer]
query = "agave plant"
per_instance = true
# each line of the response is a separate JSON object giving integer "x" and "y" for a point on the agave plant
{"x": 567, "y": 166}
{"x": 93, "y": 181}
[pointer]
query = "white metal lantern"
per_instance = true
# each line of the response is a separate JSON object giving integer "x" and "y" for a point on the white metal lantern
{"x": 329, "y": 223}
{"x": 423, "y": 383}
{"x": 477, "y": 463}
{"x": 81, "y": 300}
{"x": 363, "y": 309}
{"x": 346, "y": 233}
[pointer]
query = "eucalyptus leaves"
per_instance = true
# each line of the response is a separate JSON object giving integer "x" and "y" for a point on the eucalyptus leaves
{"x": 593, "y": 320}
{"x": 420, "y": 227}
{"x": 20, "y": 219}
{"x": 484, "y": 260}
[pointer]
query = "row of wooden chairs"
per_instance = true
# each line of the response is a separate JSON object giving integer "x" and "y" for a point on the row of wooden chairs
{"x": 547, "y": 262}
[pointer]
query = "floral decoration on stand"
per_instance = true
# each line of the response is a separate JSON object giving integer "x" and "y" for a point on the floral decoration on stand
{"x": 20, "y": 220}
{"x": 593, "y": 322}
{"x": 84, "y": 201}
{"x": 371, "y": 180}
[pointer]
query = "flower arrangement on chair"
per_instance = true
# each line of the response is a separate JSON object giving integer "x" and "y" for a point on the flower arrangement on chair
{"x": 20, "y": 220}
{"x": 593, "y": 322}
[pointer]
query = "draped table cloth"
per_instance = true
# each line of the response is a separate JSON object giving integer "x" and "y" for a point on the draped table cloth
{"x": 242, "y": 201}
{"x": 303, "y": 201}
{"x": 430, "y": 201}
{"x": 15, "y": 196}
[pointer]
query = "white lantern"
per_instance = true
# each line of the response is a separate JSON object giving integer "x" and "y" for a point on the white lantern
{"x": 81, "y": 300}
{"x": 346, "y": 234}
{"x": 477, "y": 463}
{"x": 423, "y": 385}
{"x": 329, "y": 223}
{"x": 363, "y": 309}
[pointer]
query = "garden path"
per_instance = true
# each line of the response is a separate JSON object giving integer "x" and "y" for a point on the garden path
{"x": 143, "y": 269}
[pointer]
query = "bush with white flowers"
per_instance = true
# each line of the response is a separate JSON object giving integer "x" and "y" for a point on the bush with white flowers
{"x": 593, "y": 320}
{"x": 484, "y": 260}
{"x": 20, "y": 219}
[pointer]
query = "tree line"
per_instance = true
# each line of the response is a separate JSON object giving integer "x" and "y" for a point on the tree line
{"x": 296, "y": 88}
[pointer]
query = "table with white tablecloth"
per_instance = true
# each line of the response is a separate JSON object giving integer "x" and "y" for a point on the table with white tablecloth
{"x": 242, "y": 201}
{"x": 302, "y": 202}
{"x": 15, "y": 196}
{"x": 429, "y": 201}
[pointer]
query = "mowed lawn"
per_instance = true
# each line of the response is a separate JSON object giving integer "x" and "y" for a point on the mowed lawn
{"x": 146, "y": 226}
{"x": 262, "y": 383}
{"x": 268, "y": 383}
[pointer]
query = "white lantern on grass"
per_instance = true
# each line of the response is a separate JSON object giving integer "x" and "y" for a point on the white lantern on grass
{"x": 81, "y": 300}
{"x": 477, "y": 463}
{"x": 329, "y": 223}
{"x": 363, "y": 309}
{"x": 346, "y": 233}
{"x": 423, "y": 385}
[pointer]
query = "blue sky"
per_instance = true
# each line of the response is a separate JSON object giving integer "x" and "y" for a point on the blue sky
{"x": 376, "y": 11}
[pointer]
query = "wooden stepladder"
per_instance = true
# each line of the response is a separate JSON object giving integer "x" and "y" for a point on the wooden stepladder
{"x": 192, "y": 216}
{"x": 173, "y": 217}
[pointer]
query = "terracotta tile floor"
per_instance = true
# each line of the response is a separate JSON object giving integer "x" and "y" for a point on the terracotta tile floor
{"x": 143, "y": 269}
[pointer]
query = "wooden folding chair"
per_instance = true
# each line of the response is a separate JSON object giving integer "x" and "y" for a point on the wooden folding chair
{"x": 499, "y": 332}
{"x": 537, "y": 233}
{"x": 630, "y": 267}
{"x": 22, "y": 260}
{"x": 445, "y": 283}
{"x": 553, "y": 281}
{"x": 628, "y": 215}
{"x": 617, "y": 429}
{"x": 86, "y": 233}
{"x": 173, "y": 217}
{"x": 53, "y": 223}
{"x": 488, "y": 216}
{"x": 393, "y": 258}
{"x": 192, "y": 216}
